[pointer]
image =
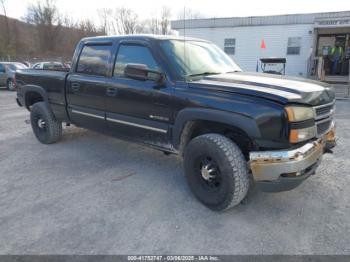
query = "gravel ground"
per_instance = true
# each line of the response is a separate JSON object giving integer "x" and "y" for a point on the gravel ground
{"x": 91, "y": 194}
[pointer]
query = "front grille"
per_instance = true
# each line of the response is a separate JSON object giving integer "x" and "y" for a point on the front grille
{"x": 324, "y": 110}
{"x": 324, "y": 118}
{"x": 323, "y": 127}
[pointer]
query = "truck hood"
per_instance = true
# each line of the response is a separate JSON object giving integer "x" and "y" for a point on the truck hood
{"x": 273, "y": 87}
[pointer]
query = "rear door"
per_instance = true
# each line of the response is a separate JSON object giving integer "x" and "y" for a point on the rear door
{"x": 86, "y": 86}
{"x": 2, "y": 75}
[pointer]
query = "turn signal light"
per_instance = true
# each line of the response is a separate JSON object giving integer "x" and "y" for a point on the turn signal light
{"x": 293, "y": 136}
{"x": 299, "y": 135}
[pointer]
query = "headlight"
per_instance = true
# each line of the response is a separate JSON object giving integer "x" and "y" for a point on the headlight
{"x": 299, "y": 113}
{"x": 299, "y": 135}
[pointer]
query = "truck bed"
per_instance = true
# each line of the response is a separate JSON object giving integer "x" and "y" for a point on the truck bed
{"x": 53, "y": 82}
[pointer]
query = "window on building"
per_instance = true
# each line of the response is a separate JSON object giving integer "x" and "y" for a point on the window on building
{"x": 133, "y": 54}
{"x": 294, "y": 46}
{"x": 94, "y": 60}
{"x": 230, "y": 46}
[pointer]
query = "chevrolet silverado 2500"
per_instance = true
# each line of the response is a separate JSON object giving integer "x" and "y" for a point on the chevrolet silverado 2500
{"x": 187, "y": 97}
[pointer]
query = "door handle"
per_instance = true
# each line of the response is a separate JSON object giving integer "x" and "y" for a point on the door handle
{"x": 111, "y": 91}
{"x": 75, "y": 87}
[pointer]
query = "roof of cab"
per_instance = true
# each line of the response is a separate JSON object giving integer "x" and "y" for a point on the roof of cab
{"x": 144, "y": 37}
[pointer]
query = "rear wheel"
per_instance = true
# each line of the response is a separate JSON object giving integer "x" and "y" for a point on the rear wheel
{"x": 11, "y": 85}
{"x": 45, "y": 126}
{"x": 216, "y": 171}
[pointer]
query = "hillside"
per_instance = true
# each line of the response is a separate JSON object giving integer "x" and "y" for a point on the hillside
{"x": 22, "y": 41}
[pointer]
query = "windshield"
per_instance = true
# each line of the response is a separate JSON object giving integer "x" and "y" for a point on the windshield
{"x": 16, "y": 66}
{"x": 195, "y": 58}
{"x": 21, "y": 66}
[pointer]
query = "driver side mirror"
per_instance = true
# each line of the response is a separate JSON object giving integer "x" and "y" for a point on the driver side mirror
{"x": 143, "y": 73}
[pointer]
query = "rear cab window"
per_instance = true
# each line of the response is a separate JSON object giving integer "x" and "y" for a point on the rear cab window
{"x": 94, "y": 60}
{"x": 133, "y": 54}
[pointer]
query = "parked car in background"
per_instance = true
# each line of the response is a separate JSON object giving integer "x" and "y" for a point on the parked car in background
{"x": 49, "y": 66}
{"x": 7, "y": 74}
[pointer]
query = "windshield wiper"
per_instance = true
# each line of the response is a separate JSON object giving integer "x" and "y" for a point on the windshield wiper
{"x": 204, "y": 74}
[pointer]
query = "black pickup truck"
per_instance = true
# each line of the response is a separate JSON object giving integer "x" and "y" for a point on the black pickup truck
{"x": 187, "y": 97}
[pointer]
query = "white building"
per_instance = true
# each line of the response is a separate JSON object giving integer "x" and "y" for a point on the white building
{"x": 303, "y": 39}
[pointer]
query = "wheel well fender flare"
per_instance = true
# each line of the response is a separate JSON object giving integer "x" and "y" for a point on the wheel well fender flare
{"x": 245, "y": 123}
{"x": 35, "y": 89}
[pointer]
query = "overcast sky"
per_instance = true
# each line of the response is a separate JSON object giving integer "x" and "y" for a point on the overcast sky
{"x": 81, "y": 9}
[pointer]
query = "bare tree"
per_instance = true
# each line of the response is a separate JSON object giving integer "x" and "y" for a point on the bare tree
{"x": 45, "y": 16}
{"x": 126, "y": 21}
{"x": 105, "y": 15}
{"x": 159, "y": 23}
{"x": 165, "y": 17}
{"x": 88, "y": 27}
{"x": 153, "y": 25}
{"x": 120, "y": 21}
{"x": 68, "y": 22}
{"x": 189, "y": 13}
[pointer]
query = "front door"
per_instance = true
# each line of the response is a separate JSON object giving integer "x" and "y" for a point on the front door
{"x": 138, "y": 109}
{"x": 86, "y": 87}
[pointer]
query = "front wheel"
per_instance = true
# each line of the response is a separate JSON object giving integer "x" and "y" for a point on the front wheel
{"x": 216, "y": 171}
{"x": 11, "y": 85}
{"x": 45, "y": 126}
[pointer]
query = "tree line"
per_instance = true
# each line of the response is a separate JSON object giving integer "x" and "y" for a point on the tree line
{"x": 46, "y": 33}
{"x": 43, "y": 33}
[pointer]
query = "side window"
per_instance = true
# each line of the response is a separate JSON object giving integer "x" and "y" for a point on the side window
{"x": 133, "y": 54}
{"x": 12, "y": 67}
{"x": 94, "y": 60}
{"x": 52, "y": 66}
{"x": 2, "y": 68}
{"x": 294, "y": 46}
{"x": 47, "y": 66}
{"x": 230, "y": 46}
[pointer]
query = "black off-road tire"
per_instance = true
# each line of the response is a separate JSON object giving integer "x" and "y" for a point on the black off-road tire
{"x": 10, "y": 85}
{"x": 231, "y": 166}
{"x": 44, "y": 124}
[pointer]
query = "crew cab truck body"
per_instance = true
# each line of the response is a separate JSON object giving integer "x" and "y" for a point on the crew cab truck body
{"x": 185, "y": 96}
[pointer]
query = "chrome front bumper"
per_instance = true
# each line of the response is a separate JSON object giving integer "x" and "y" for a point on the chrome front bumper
{"x": 284, "y": 170}
{"x": 271, "y": 165}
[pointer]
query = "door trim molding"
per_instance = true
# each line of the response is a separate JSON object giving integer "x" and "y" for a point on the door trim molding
{"x": 87, "y": 114}
{"x": 137, "y": 125}
{"x": 125, "y": 120}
